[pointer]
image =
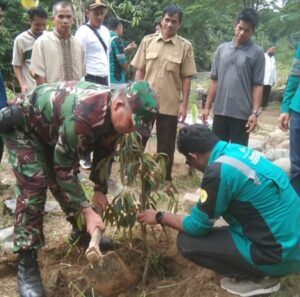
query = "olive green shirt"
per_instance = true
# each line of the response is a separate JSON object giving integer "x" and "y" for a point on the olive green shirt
{"x": 165, "y": 63}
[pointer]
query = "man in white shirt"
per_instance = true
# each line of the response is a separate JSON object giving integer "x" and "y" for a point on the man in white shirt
{"x": 95, "y": 39}
{"x": 270, "y": 75}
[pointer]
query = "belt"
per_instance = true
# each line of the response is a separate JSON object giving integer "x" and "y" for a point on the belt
{"x": 96, "y": 76}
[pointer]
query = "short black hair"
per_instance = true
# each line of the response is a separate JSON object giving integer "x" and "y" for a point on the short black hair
{"x": 173, "y": 9}
{"x": 249, "y": 15}
{"x": 196, "y": 138}
{"x": 37, "y": 11}
{"x": 2, "y": 5}
{"x": 63, "y": 4}
{"x": 113, "y": 24}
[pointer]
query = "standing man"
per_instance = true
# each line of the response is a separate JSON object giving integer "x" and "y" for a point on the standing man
{"x": 62, "y": 121}
{"x": 167, "y": 62}
{"x": 290, "y": 112}
{"x": 270, "y": 75}
{"x": 23, "y": 45}
{"x": 94, "y": 37}
{"x": 117, "y": 55}
{"x": 3, "y": 98}
{"x": 262, "y": 240}
{"x": 57, "y": 55}
{"x": 236, "y": 85}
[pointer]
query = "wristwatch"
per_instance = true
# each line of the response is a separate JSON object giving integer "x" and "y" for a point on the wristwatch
{"x": 159, "y": 217}
{"x": 256, "y": 112}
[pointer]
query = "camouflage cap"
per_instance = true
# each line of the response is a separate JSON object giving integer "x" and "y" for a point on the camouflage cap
{"x": 143, "y": 104}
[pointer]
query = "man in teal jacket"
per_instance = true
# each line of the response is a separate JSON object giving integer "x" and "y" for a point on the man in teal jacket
{"x": 256, "y": 199}
{"x": 290, "y": 111}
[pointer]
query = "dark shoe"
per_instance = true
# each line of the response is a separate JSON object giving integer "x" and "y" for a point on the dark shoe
{"x": 29, "y": 277}
{"x": 84, "y": 238}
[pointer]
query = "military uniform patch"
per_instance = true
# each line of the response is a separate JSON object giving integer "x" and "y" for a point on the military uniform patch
{"x": 203, "y": 196}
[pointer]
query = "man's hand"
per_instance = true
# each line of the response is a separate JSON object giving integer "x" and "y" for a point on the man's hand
{"x": 182, "y": 113}
{"x": 284, "y": 120}
{"x": 205, "y": 115}
{"x": 130, "y": 46}
{"x": 93, "y": 220}
{"x": 251, "y": 124}
{"x": 100, "y": 200}
{"x": 147, "y": 217}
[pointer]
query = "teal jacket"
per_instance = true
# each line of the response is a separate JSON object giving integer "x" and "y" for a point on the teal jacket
{"x": 117, "y": 58}
{"x": 256, "y": 199}
{"x": 291, "y": 99}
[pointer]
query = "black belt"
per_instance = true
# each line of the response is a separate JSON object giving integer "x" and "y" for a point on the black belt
{"x": 102, "y": 80}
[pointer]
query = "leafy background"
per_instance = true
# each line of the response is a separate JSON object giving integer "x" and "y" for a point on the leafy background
{"x": 206, "y": 23}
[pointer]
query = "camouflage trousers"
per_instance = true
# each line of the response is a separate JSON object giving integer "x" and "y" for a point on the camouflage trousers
{"x": 32, "y": 163}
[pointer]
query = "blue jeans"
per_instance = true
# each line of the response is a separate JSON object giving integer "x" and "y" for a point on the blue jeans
{"x": 295, "y": 150}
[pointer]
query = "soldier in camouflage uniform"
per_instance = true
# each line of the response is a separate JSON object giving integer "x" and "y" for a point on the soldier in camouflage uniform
{"x": 62, "y": 122}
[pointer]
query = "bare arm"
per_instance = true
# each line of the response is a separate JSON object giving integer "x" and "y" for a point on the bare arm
{"x": 139, "y": 74}
{"x": 174, "y": 221}
{"x": 20, "y": 78}
{"x": 40, "y": 80}
{"x": 257, "y": 92}
{"x": 130, "y": 46}
{"x": 186, "y": 87}
{"x": 212, "y": 90}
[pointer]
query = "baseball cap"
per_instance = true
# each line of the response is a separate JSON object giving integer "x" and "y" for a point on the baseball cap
{"x": 92, "y": 4}
{"x": 143, "y": 105}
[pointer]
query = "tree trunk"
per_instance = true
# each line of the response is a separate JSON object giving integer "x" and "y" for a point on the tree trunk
{"x": 79, "y": 12}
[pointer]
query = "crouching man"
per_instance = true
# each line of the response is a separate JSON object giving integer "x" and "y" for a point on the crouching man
{"x": 60, "y": 123}
{"x": 262, "y": 239}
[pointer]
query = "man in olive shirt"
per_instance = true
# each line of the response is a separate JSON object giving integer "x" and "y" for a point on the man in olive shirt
{"x": 166, "y": 61}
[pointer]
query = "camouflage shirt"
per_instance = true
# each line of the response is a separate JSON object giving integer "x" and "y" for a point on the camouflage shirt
{"x": 73, "y": 118}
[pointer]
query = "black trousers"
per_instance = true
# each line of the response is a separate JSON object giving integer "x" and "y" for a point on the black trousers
{"x": 231, "y": 129}
{"x": 266, "y": 95}
{"x": 217, "y": 251}
{"x": 97, "y": 79}
{"x": 166, "y": 129}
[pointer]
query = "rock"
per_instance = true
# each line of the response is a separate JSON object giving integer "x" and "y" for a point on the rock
{"x": 6, "y": 239}
{"x": 189, "y": 200}
{"x": 284, "y": 144}
{"x": 51, "y": 206}
{"x": 284, "y": 164}
{"x": 256, "y": 144}
{"x": 274, "y": 154}
{"x": 275, "y": 137}
{"x": 6, "y": 233}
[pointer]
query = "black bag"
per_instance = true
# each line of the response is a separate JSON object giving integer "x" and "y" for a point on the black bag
{"x": 10, "y": 117}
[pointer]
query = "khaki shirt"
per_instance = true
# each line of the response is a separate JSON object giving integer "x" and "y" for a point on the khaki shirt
{"x": 165, "y": 63}
{"x": 57, "y": 59}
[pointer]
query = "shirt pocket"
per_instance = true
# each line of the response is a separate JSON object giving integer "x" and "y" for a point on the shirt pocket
{"x": 151, "y": 61}
{"x": 173, "y": 64}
